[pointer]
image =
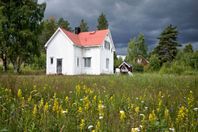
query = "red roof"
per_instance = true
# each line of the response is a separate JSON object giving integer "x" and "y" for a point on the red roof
{"x": 93, "y": 38}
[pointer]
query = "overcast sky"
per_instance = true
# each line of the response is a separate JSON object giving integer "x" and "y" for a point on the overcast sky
{"x": 128, "y": 18}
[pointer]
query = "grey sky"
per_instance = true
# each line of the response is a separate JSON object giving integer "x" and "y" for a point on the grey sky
{"x": 128, "y": 18}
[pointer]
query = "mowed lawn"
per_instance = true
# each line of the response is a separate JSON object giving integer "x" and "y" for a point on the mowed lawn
{"x": 143, "y": 102}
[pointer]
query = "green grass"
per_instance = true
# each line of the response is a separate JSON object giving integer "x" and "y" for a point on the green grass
{"x": 160, "y": 93}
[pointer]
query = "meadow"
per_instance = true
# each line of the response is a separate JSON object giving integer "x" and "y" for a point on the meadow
{"x": 143, "y": 102}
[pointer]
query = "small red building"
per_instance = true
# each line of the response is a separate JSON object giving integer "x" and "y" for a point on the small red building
{"x": 125, "y": 67}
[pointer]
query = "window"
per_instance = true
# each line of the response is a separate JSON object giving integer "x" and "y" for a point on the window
{"x": 51, "y": 60}
{"x": 107, "y": 45}
{"x": 77, "y": 62}
{"x": 107, "y": 63}
{"x": 87, "y": 62}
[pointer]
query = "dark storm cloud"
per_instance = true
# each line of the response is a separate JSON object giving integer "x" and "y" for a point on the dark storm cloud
{"x": 128, "y": 18}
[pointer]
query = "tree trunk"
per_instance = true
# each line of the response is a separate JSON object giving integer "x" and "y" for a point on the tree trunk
{"x": 17, "y": 65}
{"x": 5, "y": 65}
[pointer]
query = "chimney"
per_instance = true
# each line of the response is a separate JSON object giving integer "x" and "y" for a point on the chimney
{"x": 77, "y": 30}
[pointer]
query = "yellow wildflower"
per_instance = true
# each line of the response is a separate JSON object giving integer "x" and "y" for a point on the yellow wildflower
{"x": 122, "y": 115}
{"x": 97, "y": 126}
{"x": 86, "y": 102}
{"x": 60, "y": 109}
{"x": 41, "y": 103}
{"x": 29, "y": 98}
{"x": 79, "y": 109}
{"x": 137, "y": 109}
{"x": 95, "y": 98}
{"x": 82, "y": 124}
{"x": 56, "y": 106}
{"x": 66, "y": 99}
{"x": 100, "y": 108}
{"x": 46, "y": 107}
{"x": 152, "y": 117}
{"x": 34, "y": 112}
{"x": 19, "y": 94}
{"x": 78, "y": 89}
{"x": 182, "y": 114}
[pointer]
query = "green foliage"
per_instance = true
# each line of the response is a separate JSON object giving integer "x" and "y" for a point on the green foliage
{"x": 137, "y": 67}
{"x": 188, "y": 48}
{"x": 175, "y": 68}
{"x": 167, "y": 47}
{"x": 188, "y": 59}
{"x": 21, "y": 29}
{"x": 39, "y": 63}
{"x": 64, "y": 24}
{"x": 49, "y": 27}
{"x": 154, "y": 63}
{"x": 102, "y": 22}
{"x": 136, "y": 46}
{"x": 83, "y": 26}
{"x": 117, "y": 61}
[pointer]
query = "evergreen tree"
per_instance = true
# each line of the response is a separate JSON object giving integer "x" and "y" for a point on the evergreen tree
{"x": 64, "y": 24}
{"x": 102, "y": 22}
{"x": 21, "y": 28}
{"x": 83, "y": 26}
{"x": 188, "y": 48}
{"x": 167, "y": 47}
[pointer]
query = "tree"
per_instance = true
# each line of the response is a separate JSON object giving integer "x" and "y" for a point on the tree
{"x": 132, "y": 51}
{"x": 167, "y": 47}
{"x": 136, "y": 46}
{"x": 64, "y": 24}
{"x": 102, "y": 22}
{"x": 49, "y": 27}
{"x": 3, "y": 46}
{"x": 142, "y": 47}
{"x": 188, "y": 48}
{"x": 83, "y": 26}
{"x": 21, "y": 28}
{"x": 117, "y": 61}
{"x": 154, "y": 63}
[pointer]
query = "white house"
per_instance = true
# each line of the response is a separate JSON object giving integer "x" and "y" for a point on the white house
{"x": 80, "y": 52}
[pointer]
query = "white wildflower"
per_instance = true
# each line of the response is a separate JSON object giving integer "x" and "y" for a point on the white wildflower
{"x": 172, "y": 129}
{"x": 195, "y": 109}
{"x": 90, "y": 126}
{"x": 100, "y": 117}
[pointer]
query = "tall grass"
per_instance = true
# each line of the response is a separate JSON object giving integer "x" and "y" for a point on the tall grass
{"x": 146, "y": 102}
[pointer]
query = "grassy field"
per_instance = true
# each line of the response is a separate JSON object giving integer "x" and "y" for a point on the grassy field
{"x": 144, "y": 102}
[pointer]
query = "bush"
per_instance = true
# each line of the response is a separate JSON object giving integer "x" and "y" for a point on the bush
{"x": 39, "y": 63}
{"x": 175, "y": 68}
{"x": 138, "y": 68}
{"x": 154, "y": 64}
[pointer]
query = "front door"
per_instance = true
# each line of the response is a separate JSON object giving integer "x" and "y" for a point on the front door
{"x": 59, "y": 66}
